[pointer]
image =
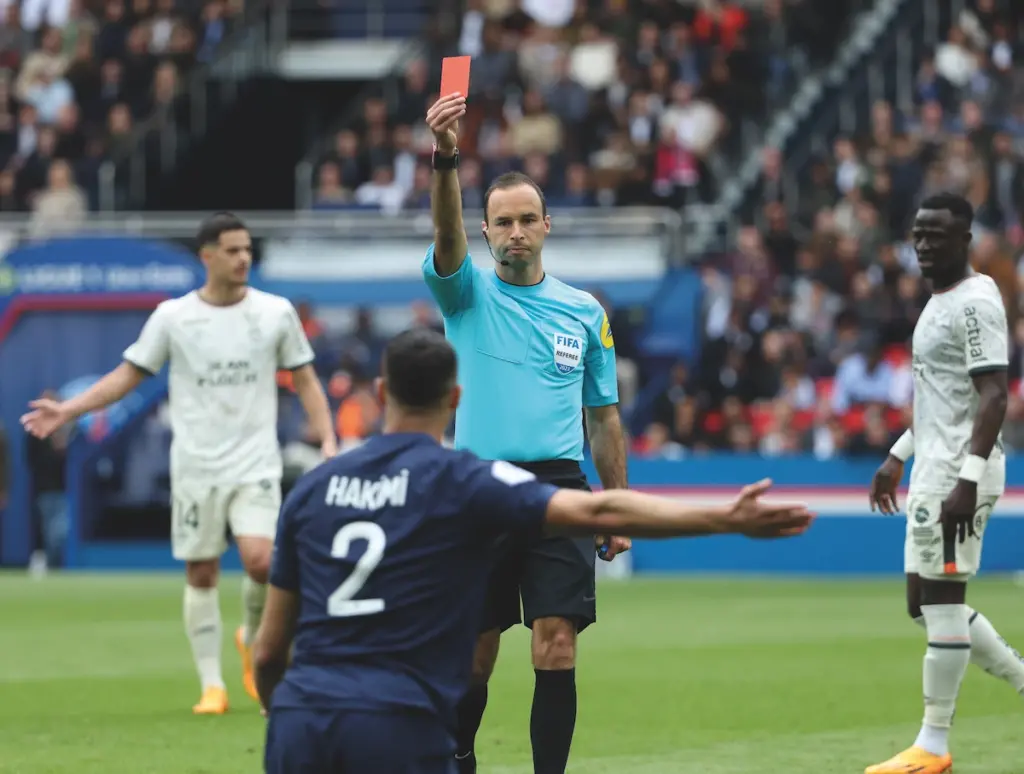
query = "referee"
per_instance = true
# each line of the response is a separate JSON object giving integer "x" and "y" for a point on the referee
{"x": 534, "y": 354}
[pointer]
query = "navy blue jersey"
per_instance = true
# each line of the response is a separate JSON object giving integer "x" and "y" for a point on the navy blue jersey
{"x": 389, "y": 548}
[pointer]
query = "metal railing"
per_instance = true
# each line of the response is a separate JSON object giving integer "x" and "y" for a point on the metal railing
{"x": 590, "y": 221}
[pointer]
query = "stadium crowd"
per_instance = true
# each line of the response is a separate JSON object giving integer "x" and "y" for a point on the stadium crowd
{"x": 808, "y": 321}
{"x": 77, "y": 78}
{"x": 600, "y": 101}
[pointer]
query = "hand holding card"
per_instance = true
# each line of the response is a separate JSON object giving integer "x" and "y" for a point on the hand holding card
{"x": 443, "y": 116}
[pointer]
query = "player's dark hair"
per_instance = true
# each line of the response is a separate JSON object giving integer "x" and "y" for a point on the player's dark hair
{"x": 512, "y": 180}
{"x": 420, "y": 368}
{"x": 956, "y": 205}
{"x": 219, "y": 223}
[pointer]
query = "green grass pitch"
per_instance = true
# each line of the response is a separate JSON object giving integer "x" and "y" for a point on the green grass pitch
{"x": 678, "y": 677}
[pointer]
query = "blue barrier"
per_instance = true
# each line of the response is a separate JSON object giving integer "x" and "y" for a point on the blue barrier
{"x": 847, "y": 538}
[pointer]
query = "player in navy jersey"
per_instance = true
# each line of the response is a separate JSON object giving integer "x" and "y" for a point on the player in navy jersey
{"x": 380, "y": 569}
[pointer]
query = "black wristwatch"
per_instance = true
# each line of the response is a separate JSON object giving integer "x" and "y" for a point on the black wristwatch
{"x": 443, "y": 163}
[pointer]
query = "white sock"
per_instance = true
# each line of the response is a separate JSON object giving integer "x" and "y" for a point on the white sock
{"x": 945, "y": 662}
{"x": 991, "y": 652}
{"x": 254, "y": 596}
{"x": 203, "y": 626}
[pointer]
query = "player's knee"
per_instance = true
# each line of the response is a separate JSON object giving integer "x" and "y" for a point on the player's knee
{"x": 203, "y": 574}
{"x": 256, "y": 554}
{"x": 485, "y": 656}
{"x": 259, "y": 568}
{"x": 914, "y": 596}
{"x": 554, "y": 643}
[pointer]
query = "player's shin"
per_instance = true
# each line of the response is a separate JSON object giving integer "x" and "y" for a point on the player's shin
{"x": 553, "y": 719}
{"x": 991, "y": 652}
{"x": 204, "y": 629}
{"x": 945, "y": 662}
{"x": 254, "y": 597}
{"x": 994, "y": 654}
{"x": 470, "y": 714}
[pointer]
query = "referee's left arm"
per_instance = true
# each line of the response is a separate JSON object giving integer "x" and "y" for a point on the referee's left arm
{"x": 608, "y": 445}
{"x": 601, "y": 402}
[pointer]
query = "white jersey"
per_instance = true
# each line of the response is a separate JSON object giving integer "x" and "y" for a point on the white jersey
{"x": 223, "y": 382}
{"x": 962, "y": 332}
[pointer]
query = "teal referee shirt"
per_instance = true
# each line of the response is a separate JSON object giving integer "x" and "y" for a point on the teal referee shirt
{"x": 530, "y": 359}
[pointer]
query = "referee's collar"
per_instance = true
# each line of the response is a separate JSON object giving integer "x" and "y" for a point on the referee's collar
{"x": 521, "y": 290}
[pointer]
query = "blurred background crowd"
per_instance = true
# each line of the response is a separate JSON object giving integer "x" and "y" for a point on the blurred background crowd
{"x": 79, "y": 81}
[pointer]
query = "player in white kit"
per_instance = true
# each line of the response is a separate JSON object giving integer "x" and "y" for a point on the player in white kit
{"x": 960, "y": 362}
{"x": 225, "y": 343}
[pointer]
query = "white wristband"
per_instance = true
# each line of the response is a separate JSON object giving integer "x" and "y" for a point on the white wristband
{"x": 973, "y": 469}
{"x": 903, "y": 449}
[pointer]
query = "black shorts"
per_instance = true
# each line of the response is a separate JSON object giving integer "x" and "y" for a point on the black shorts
{"x": 553, "y": 576}
{"x": 300, "y": 741}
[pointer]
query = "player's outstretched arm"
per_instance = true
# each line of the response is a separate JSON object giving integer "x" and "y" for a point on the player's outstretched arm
{"x": 640, "y": 515}
{"x": 314, "y": 403}
{"x": 450, "y": 243}
{"x": 48, "y": 415}
{"x": 273, "y": 640}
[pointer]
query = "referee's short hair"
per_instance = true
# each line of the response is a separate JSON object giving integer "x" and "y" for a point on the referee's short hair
{"x": 419, "y": 368}
{"x": 219, "y": 223}
{"x": 513, "y": 180}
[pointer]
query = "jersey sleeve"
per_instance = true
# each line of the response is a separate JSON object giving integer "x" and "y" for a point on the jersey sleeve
{"x": 293, "y": 348}
{"x": 600, "y": 382}
{"x": 454, "y": 293}
{"x": 284, "y": 567}
{"x": 505, "y": 498}
{"x": 151, "y": 350}
{"x": 985, "y": 335}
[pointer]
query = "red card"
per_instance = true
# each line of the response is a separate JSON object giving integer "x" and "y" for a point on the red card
{"x": 455, "y": 75}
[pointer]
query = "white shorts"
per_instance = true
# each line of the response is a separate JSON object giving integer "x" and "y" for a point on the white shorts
{"x": 201, "y": 515}
{"x": 925, "y": 551}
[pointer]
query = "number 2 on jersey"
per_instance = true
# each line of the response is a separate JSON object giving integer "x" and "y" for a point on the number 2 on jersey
{"x": 341, "y": 603}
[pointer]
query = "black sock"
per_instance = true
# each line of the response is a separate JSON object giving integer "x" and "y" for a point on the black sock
{"x": 553, "y": 719}
{"x": 470, "y": 712}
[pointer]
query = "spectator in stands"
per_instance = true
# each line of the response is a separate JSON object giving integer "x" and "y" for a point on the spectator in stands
{"x": 61, "y": 207}
{"x": 15, "y": 41}
{"x": 48, "y": 62}
{"x": 329, "y": 191}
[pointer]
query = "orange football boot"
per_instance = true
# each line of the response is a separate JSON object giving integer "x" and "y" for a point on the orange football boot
{"x": 213, "y": 702}
{"x": 248, "y": 677}
{"x": 914, "y": 761}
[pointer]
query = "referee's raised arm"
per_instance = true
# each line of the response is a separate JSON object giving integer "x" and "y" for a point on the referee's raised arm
{"x": 450, "y": 245}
